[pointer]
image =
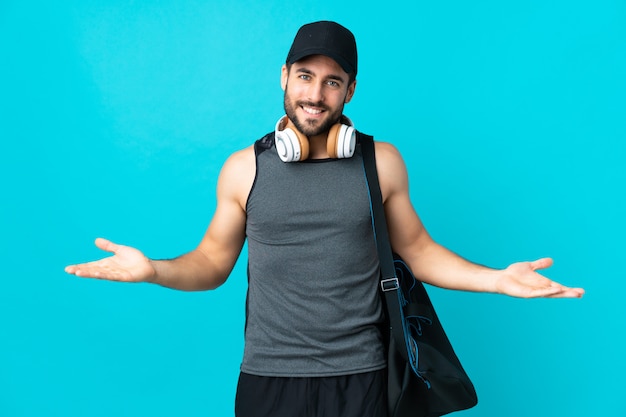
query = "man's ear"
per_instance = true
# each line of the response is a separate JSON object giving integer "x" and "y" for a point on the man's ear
{"x": 284, "y": 74}
{"x": 350, "y": 92}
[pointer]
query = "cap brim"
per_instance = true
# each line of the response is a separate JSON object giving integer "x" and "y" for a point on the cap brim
{"x": 322, "y": 51}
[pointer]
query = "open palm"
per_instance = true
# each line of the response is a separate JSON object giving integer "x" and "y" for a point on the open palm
{"x": 521, "y": 280}
{"x": 127, "y": 264}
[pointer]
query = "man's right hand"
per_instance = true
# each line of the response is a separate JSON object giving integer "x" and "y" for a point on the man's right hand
{"x": 127, "y": 265}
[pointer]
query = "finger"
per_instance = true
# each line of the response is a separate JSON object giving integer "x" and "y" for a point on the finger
{"x": 80, "y": 269}
{"x": 85, "y": 269}
{"x": 569, "y": 293}
{"x": 106, "y": 245}
{"x": 551, "y": 291}
{"x": 76, "y": 268}
{"x": 91, "y": 270}
{"x": 541, "y": 263}
{"x": 557, "y": 290}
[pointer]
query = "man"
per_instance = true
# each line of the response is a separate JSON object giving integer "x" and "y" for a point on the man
{"x": 299, "y": 197}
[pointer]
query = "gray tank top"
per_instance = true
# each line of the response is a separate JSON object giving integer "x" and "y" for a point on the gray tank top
{"x": 313, "y": 306}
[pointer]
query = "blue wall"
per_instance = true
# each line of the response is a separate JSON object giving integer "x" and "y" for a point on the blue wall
{"x": 115, "y": 118}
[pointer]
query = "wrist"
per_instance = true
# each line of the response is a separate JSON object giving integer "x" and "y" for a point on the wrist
{"x": 153, "y": 276}
{"x": 491, "y": 283}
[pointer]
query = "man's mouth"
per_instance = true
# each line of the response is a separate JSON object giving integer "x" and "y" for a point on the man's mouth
{"x": 313, "y": 111}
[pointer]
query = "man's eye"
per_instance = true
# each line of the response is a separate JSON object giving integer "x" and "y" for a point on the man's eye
{"x": 333, "y": 83}
{"x": 305, "y": 77}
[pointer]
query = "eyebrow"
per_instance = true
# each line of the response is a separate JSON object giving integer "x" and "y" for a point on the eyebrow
{"x": 329, "y": 77}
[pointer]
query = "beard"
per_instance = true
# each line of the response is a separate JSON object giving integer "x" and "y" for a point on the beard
{"x": 311, "y": 127}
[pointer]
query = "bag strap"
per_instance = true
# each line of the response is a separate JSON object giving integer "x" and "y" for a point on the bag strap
{"x": 389, "y": 284}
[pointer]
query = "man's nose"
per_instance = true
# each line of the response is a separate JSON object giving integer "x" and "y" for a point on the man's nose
{"x": 316, "y": 92}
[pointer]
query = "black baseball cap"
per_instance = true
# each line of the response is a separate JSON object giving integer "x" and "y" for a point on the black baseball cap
{"x": 325, "y": 38}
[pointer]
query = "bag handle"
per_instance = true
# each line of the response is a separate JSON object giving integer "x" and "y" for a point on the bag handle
{"x": 389, "y": 284}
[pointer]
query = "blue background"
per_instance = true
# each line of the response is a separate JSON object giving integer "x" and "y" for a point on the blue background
{"x": 115, "y": 118}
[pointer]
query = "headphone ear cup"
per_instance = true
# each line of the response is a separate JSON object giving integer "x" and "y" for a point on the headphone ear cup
{"x": 291, "y": 146}
{"x": 346, "y": 142}
{"x": 333, "y": 140}
{"x": 341, "y": 141}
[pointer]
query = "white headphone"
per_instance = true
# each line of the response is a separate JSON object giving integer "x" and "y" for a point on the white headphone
{"x": 292, "y": 145}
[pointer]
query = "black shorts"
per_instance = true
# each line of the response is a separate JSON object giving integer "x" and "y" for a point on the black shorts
{"x": 357, "y": 395}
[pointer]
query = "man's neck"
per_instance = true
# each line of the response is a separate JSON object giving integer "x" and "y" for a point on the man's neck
{"x": 317, "y": 146}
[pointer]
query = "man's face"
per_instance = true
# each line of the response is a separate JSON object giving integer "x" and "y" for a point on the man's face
{"x": 316, "y": 89}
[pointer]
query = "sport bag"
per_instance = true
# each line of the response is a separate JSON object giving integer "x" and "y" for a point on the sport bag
{"x": 425, "y": 377}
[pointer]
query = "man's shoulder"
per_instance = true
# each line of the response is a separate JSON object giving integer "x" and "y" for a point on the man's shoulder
{"x": 386, "y": 151}
{"x": 392, "y": 174}
{"x": 237, "y": 175}
{"x": 241, "y": 158}
{"x": 244, "y": 158}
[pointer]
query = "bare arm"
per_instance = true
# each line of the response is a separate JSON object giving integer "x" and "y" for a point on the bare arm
{"x": 210, "y": 263}
{"x": 436, "y": 265}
